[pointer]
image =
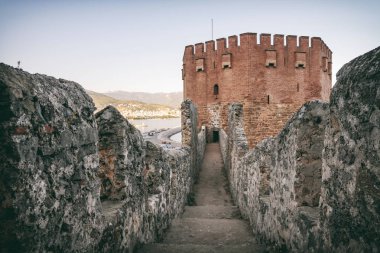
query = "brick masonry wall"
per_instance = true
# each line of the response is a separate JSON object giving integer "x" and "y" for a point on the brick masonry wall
{"x": 265, "y": 120}
{"x": 249, "y": 80}
{"x": 260, "y": 121}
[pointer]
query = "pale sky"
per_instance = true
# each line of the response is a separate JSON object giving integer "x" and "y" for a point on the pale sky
{"x": 138, "y": 45}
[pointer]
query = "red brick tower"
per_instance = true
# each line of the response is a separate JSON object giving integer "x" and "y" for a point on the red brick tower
{"x": 271, "y": 79}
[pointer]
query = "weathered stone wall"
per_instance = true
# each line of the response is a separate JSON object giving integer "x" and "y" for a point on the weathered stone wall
{"x": 350, "y": 204}
{"x": 152, "y": 183}
{"x": 73, "y": 183}
{"x": 170, "y": 174}
{"x": 223, "y": 142}
{"x": 237, "y": 146}
{"x": 201, "y": 147}
{"x": 276, "y": 184}
{"x": 314, "y": 187}
{"x": 123, "y": 193}
{"x": 170, "y": 179}
{"x": 295, "y": 179}
{"x": 49, "y": 191}
{"x": 121, "y": 151}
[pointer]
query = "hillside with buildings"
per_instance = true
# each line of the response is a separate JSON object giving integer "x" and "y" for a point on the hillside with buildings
{"x": 172, "y": 99}
{"x": 133, "y": 109}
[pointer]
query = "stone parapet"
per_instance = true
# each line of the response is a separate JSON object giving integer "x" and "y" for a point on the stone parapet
{"x": 314, "y": 186}
{"x": 71, "y": 182}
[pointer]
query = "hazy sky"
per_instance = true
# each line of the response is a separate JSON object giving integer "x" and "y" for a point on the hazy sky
{"x": 138, "y": 45}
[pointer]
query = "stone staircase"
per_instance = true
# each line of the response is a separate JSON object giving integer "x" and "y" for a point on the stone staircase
{"x": 214, "y": 223}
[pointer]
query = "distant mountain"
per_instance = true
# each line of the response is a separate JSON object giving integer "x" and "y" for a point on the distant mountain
{"x": 173, "y": 99}
{"x": 134, "y": 109}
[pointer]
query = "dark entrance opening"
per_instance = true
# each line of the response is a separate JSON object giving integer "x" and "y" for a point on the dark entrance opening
{"x": 215, "y": 136}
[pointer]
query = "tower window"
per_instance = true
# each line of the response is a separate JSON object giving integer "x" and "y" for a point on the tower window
{"x": 300, "y": 65}
{"x": 199, "y": 65}
{"x": 271, "y": 58}
{"x": 324, "y": 64}
{"x": 226, "y": 61}
{"x": 298, "y": 87}
{"x": 268, "y": 99}
{"x": 329, "y": 67}
{"x": 216, "y": 89}
{"x": 300, "y": 60}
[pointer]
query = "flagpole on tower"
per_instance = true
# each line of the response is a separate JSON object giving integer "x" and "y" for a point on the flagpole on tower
{"x": 212, "y": 29}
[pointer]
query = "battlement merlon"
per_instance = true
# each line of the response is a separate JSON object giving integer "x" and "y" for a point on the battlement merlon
{"x": 232, "y": 41}
{"x": 265, "y": 40}
{"x": 189, "y": 50}
{"x": 303, "y": 42}
{"x": 210, "y": 46}
{"x": 250, "y": 39}
{"x": 221, "y": 44}
{"x": 199, "y": 49}
{"x": 291, "y": 42}
{"x": 278, "y": 40}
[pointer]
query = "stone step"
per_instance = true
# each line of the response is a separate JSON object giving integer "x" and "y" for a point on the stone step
{"x": 212, "y": 212}
{"x": 209, "y": 232}
{"x": 197, "y": 248}
{"x": 212, "y": 198}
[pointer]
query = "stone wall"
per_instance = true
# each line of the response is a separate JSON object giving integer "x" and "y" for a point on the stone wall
{"x": 71, "y": 182}
{"x": 49, "y": 189}
{"x": 314, "y": 187}
{"x": 277, "y": 184}
{"x": 350, "y": 203}
{"x": 156, "y": 180}
{"x": 122, "y": 193}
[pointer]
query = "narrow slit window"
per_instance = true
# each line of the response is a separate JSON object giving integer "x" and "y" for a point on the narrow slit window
{"x": 268, "y": 99}
{"x": 325, "y": 64}
{"x": 216, "y": 89}
{"x": 298, "y": 87}
{"x": 329, "y": 68}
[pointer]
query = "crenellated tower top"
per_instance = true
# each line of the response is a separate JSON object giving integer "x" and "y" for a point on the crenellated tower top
{"x": 264, "y": 72}
{"x": 265, "y": 41}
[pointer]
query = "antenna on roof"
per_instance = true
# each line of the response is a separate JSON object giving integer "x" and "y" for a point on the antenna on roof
{"x": 212, "y": 29}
